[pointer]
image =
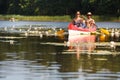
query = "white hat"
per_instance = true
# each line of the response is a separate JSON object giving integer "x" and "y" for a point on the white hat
{"x": 89, "y": 13}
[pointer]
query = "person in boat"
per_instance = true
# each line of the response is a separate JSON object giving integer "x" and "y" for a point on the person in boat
{"x": 12, "y": 19}
{"x": 90, "y": 22}
{"x": 78, "y": 20}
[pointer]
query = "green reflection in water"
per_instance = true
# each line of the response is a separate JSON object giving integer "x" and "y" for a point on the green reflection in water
{"x": 31, "y": 49}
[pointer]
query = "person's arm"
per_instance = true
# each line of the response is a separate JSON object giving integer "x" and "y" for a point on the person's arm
{"x": 93, "y": 21}
{"x": 74, "y": 23}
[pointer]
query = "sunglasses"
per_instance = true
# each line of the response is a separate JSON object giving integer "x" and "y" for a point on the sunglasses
{"x": 89, "y": 15}
{"x": 77, "y": 14}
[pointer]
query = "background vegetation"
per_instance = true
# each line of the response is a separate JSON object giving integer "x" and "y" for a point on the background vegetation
{"x": 59, "y": 7}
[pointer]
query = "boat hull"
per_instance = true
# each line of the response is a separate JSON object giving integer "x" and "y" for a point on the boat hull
{"x": 74, "y": 30}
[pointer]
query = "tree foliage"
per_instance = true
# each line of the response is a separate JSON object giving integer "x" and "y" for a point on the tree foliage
{"x": 59, "y": 7}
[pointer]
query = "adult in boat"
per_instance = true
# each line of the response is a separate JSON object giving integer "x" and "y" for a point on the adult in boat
{"x": 80, "y": 26}
{"x": 90, "y": 22}
{"x": 78, "y": 20}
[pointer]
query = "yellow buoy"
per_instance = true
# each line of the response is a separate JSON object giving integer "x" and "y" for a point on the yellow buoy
{"x": 60, "y": 34}
{"x": 104, "y": 31}
{"x": 102, "y": 38}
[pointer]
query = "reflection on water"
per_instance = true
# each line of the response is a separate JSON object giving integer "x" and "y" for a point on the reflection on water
{"x": 48, "y": 57}
{"x": 82, "y": 42}
{"x": 28, "y": 59}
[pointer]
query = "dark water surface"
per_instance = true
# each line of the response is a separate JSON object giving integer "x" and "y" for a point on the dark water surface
{"x": 29, "y": 59}
{"x": 48, "y": 58}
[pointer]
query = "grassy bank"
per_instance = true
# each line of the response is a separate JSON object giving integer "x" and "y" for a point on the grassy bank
{"x": 65, "y": 18}
{"x": 36, "y": 18}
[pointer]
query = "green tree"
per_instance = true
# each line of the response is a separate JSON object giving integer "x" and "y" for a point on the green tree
{"x": 3, "y": 6}
{"x": 59, "y": 7}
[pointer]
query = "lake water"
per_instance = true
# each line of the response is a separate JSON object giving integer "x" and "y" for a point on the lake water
{"x": 56, "y": 24}
{"x": 49, "y": 58}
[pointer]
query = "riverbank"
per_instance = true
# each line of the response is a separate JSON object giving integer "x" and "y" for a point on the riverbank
{"x": 65, "y": 18}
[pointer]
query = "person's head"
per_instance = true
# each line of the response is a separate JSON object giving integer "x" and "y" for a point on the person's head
{"x": 78, "y": 13}
{"x": 89, "y": 14}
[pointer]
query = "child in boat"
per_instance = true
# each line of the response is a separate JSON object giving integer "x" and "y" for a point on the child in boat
{"x": 78, "y": 20}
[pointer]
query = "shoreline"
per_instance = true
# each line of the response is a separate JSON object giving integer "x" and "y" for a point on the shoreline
{"x": 64, "y": 18}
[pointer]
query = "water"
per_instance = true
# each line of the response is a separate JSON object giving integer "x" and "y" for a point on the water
{"x": 56, "y": 24}
{"x": 20, "y": 23}
{"x": 28, "y": 59}
{"x": 48, "y": 58}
